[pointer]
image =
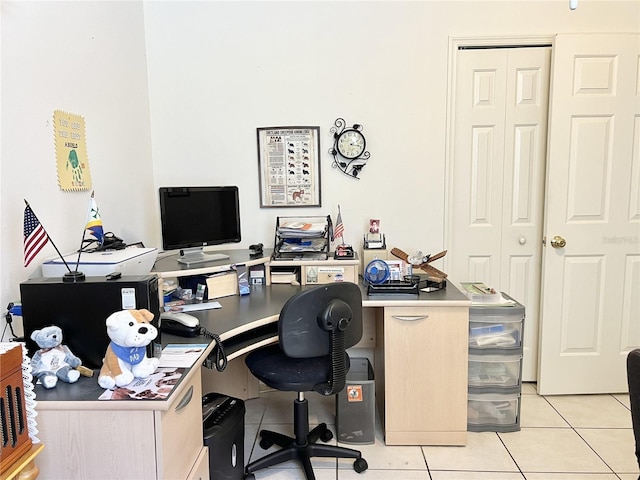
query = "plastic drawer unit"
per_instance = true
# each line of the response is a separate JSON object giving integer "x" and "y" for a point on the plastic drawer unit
{"x": 495, "y": 367}
{"x": 493, "y": 412}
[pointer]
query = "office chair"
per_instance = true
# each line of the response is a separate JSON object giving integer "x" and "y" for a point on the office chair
{"x": 633, "y": 377}
{"x": 315, "y": 328}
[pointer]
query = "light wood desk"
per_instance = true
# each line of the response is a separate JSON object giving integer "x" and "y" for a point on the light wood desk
{"x": 420, "y": 348}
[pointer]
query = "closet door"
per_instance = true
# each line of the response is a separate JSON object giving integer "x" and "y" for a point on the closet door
{"x": 498, "y": 165}
{"x": 591, "y": 272}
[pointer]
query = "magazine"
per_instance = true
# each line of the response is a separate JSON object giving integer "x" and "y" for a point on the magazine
{"x": 157, "y": 386}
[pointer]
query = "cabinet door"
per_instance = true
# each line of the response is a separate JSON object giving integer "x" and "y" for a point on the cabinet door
{"x": 180, "y": 439}
{"x": 200, "y": 470}
{"x": 425, "y": 356}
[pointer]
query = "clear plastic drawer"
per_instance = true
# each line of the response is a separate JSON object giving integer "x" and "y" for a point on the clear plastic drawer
{"x": 493, "y": 409}
{"x": 499, "y": 331}
{"x": 494, "y": 370}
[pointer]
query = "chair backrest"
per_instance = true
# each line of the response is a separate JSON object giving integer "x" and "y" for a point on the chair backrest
{"x": 323, "y": 321}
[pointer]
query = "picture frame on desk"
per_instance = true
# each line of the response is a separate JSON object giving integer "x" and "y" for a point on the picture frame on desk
{"x": 289, "y": 166}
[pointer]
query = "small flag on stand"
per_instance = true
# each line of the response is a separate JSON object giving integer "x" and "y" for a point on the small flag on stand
{"x": 35, "y": 237}
{"x": 338, "y": 230}
{"x": 94, "y": 222}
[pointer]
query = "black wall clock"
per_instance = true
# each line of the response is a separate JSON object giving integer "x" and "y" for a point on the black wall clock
{"x": 349, "y": 148}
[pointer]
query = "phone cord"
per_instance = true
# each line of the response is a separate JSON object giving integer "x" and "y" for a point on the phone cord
{"x": 220, "y": 357}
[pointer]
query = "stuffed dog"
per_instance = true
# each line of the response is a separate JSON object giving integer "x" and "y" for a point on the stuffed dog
{"x": 126, "y": 358}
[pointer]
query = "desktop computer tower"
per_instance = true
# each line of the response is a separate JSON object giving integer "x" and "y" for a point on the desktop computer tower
{"x": 223, "y": 427}
{"x": 81, "y": 309}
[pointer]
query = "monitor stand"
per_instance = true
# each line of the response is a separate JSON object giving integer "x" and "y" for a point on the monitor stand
{"x": 192, "y": 256}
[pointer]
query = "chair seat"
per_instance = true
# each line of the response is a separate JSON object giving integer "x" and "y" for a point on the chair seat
{"x": 278, "y": 371}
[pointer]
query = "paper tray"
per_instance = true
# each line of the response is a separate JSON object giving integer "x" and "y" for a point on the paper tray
{"x": 394, "y": 288}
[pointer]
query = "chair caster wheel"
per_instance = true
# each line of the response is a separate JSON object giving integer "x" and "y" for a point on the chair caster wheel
{"x": 249, "y": 476}
{"x": 360, "y": 465}
{"x": 326, "y": 435}
{"x": 265, "y": 444}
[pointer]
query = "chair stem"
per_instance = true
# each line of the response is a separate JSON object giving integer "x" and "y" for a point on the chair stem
{"x": 301, "y": 420}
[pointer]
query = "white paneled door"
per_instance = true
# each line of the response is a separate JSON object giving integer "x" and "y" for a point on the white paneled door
{"x": 498, "y": 169}
{"x": 590, "y": 314}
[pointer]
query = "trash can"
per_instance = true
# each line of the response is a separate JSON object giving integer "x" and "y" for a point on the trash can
{"x": 356, "y": 405}
{"x": 223, "y": 426}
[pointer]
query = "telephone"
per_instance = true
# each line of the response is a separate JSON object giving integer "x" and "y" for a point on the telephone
{"x": 185, "y": 325}
{"x": 179, "y": 323}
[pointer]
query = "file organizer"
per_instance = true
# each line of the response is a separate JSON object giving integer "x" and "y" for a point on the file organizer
{"x": 302, "y": 238}
{"x": 495, "y": 367}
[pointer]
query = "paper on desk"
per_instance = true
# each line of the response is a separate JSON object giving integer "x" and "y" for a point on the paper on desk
{"x": 181, "y": 354}
{"x": 192, "y": 307}
{"x": 501, "y": 302}
{"x": 158, "y": 386}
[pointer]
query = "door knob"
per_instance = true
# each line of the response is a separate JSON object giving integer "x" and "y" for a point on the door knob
{"x": 558, "y": 242}
{"x": 522, "y": 240}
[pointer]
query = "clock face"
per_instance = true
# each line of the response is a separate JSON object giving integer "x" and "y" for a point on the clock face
{"x": 351, "y": 144}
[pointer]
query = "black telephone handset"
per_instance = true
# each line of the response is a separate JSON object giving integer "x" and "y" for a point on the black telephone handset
{"x": 176, "y": 328}
{"x": 185, "y": 325}
{"x": 179, "y": 323}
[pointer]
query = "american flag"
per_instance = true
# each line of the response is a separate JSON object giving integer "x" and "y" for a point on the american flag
{"x": 35, "y": 238}
{"x": 338, "y": 230}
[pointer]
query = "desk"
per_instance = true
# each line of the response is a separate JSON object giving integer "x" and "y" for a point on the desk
{"x": 420, "y": 367}
{"x": 420, "y": 356}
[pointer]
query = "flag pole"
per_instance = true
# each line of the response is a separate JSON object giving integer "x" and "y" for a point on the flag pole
{"x": 54, "y": 246}
{"x": 84, "y": 232}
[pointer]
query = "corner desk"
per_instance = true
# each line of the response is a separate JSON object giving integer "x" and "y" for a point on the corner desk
{"x": 419, "y": 344}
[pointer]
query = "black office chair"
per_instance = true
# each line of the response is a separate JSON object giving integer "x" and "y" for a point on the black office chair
{"x": 633, "y": 377}
{"x": 315, "y": 328}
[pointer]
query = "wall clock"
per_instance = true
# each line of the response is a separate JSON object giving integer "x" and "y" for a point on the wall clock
{"x": 349, "y": 148}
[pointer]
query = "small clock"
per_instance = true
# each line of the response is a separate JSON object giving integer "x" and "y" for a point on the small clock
{"x": 351, "y": 143}
{"x": 349, "y": 148}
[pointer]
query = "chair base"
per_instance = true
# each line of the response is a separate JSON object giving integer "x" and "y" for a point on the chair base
{"x": 303, "y": 447}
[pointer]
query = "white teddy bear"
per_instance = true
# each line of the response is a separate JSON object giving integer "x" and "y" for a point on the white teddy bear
{"x": 53, "y": 361}
{"x": 126, "y": 358}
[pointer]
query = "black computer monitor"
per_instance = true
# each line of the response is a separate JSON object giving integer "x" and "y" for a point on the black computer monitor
{"x": 195, "y": 217}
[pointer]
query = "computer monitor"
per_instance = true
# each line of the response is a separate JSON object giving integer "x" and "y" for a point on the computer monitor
{"x": 194, "y": 217}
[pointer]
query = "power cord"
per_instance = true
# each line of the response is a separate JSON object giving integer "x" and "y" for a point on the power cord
{"x": 220, "y": 361}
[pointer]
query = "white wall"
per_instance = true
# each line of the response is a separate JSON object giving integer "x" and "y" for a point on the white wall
{"x": 219, "y": 70}
{"x": 87, "y": 58}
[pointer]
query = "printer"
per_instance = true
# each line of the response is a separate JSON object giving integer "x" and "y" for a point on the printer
{"x": 128, "y": 261}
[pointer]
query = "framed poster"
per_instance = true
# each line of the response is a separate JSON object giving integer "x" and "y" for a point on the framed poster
{"x": 72, "y": 161}
{"x": 289, "y": 166}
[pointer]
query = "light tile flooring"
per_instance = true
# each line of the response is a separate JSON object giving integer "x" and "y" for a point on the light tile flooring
{"x": 582, "y": 437}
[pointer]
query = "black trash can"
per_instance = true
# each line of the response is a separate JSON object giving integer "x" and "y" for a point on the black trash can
{"x": 223, "y": 426}
{"x": 356, "y": 405}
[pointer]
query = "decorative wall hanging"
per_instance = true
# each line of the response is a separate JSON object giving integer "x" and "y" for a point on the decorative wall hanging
{"x": 349, "y": 148}
{"x": 71, "y": 151}
{"x": 289, "y": 166}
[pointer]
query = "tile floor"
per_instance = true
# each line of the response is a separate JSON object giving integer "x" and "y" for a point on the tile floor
{"x": 582, "y": 437}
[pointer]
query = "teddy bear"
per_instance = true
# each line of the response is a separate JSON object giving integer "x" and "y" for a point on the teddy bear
{"x": 126, "y": 358}
{"x": 53, "y": 361}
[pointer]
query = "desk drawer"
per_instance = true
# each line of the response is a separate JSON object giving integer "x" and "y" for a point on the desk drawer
{"x": 312, "y": 275}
